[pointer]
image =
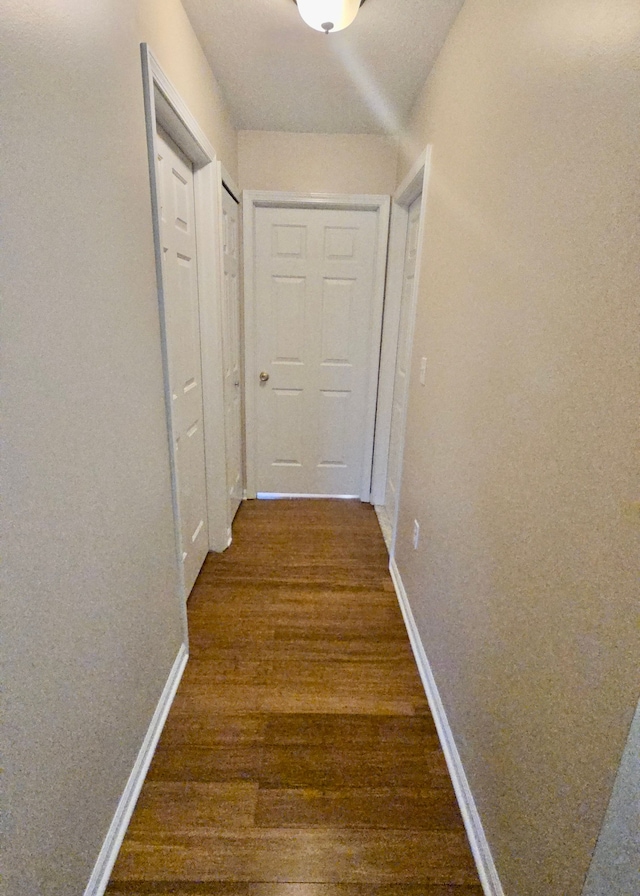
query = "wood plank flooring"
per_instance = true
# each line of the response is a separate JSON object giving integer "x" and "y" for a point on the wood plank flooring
{"x": 299, "y": 757}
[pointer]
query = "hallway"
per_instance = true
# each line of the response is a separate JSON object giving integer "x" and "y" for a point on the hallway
{"x": 300, "y": 749}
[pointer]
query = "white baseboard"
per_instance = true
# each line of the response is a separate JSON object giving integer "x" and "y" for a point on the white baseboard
{"x": 118, "y": 827}
{"x": 473, "y": 825}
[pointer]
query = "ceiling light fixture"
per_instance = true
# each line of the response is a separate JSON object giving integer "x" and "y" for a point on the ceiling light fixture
{"x": 329, "y": 15}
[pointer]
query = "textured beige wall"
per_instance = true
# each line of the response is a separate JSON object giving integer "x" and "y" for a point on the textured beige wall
{"x": 164, "y": 25}
{"x": 317, "y": 163}
{"x": 523, "y": 447}
{"x": 91, "y": 621}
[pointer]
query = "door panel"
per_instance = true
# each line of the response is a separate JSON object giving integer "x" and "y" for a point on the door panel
{"x": 403, "y": 358}
{"x": 182, "y": 333}
{"x": 231, "y": 351}
{"x": 314, "y": 271}
{"x": 289, "y": 299}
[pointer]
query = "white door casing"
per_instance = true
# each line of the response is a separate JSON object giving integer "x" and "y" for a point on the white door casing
{"x": 231, "y": 348}
{"x": 314, "y": 280}
{"x": 398, "y": 329}
{"x": 182, "y": 334}
{"x": 403, "y": 359}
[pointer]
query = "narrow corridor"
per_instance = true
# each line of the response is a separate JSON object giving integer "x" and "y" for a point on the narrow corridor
{"x": 300, "y": 757}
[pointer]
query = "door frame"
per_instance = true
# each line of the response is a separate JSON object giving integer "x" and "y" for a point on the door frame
{"x": 415, "y": 183}
{"x": 254, "y": 199}
{"x": 164, "y": 106}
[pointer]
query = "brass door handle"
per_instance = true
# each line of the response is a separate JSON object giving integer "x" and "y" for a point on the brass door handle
{"x": 264, "y": 376}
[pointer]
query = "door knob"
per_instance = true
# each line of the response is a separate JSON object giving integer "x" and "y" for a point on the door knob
{"x": 264, "y": 376}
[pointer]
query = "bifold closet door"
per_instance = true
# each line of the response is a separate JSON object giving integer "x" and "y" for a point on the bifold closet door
{"x": 182, "y": 333}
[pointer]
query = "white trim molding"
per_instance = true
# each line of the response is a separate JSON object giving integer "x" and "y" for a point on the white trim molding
{"x": 470, "y": 816}
{"x": 164, "y": 106}
{"x": 253, "y": 199}
{"x": 118, "y": 827}
{"x": 414, "y": 184}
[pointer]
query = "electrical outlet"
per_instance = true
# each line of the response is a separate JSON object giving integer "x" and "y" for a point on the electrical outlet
{"x": 423, "y": 370}
{"x": 416, "y": 534}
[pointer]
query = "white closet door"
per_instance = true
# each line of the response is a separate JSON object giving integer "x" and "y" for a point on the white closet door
{"x": 231, "y": 351}
{"x": 403, "y": 359}
{"x": 314, "y": 280}
{"x": 182, "y": 330}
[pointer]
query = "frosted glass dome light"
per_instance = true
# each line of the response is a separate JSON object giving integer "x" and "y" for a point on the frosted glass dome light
{"x": 328, "y": 15}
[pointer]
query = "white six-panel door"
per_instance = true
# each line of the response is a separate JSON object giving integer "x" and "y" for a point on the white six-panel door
{"x": 232, "y": 361}
{"x": 182, "y": 333}
{"x": 403, "y": 359}
{"x": 314, "y": 312}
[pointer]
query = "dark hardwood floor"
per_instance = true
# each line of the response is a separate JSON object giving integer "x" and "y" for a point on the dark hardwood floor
{"x": 299, "y": 757}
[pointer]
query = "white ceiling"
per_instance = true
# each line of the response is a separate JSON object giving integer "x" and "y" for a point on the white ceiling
{"x": 277, "y": 74}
